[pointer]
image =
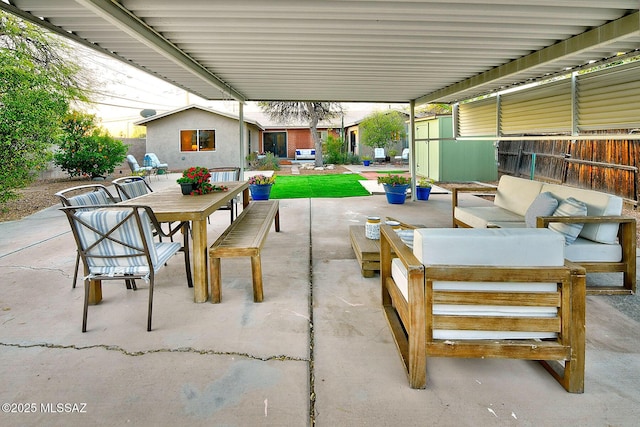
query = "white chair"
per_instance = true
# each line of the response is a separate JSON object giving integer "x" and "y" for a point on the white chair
{"x": 484, "y": 293}
{"x": 115, "y": 243}
{"x": 404, "y": 157}
{"x": 378, "y": 155}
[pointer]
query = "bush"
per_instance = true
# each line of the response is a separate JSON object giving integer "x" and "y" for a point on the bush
{"x": 85, "y": 150}
{"x": 268, "y": 162}
{"x": 333, "y": 150}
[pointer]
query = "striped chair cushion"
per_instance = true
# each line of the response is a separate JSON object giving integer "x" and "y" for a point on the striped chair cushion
{"x": 222, "y": 176}
{"x": 92, "y": 198}
{"x": 134, "y": 189}
{"x": 125, "y": 241}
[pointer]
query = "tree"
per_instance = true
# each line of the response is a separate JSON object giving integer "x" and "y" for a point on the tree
{"x": 84, "y": 149}
{"x": 382, "y": 129}
{"x": 37, "y": 84}
{"x": 313, "y": 112}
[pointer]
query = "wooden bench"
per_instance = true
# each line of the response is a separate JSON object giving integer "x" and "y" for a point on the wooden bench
{"x": 244, "y": 237}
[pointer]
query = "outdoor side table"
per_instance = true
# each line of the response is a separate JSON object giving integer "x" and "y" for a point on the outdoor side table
{"x": 367, "y": 250}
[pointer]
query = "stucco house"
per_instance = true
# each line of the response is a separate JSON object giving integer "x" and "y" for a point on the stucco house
{"x": 195, "y": 135}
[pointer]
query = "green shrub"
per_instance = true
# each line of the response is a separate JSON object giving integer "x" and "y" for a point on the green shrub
{"x": 268, "y": 162}
{"x": 85, "y": 150}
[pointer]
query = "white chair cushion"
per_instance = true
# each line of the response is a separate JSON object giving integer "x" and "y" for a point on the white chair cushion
{"x": 516, "y": 194}
{"x": 543, "y": 205}
{"x": 569, "y": 207}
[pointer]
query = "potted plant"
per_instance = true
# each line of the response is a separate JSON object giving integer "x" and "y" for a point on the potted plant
{"x": 260, "y": 186}
{"x": 195, "y": 180}
{"x": 366, "y": 160}
{"x": 395, "y": 187}
{"x": 423, "y": 189}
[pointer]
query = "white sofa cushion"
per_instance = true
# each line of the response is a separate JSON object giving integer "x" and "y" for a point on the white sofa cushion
{"x": 516, "y": 194}
{"x": 496, "y": 247}
{"x": 569, "y": 207}
{"x": 598, "y": 204}
{"x": 585, "y": 250}
{"x": 481, "y": 216}
{"x": 543, "y": 205}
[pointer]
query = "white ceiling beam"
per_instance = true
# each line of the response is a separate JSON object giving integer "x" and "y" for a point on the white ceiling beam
{"x": 123, "y": 19}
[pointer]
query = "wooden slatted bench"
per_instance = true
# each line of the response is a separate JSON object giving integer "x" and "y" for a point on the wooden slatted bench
{"x": 244, "y": 237}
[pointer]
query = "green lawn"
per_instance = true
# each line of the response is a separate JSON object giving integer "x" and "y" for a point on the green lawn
{"x": 310, "y": 186}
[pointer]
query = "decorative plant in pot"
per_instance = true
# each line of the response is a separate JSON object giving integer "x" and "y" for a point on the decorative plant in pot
{"x": 195, "y": 181}
{"x": 395, "y": 187}
{"x": 423, "y": 189}
{"x": 366, "y": 160}
{"x": 260, "y": 186}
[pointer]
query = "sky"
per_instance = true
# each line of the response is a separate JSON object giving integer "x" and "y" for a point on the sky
{"x": 124, "y": 91}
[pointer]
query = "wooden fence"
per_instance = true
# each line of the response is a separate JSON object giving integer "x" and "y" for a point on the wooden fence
{"x": 610, "y": 166}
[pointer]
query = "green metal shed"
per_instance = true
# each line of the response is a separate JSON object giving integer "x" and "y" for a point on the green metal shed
{"x": 440, "y": 157}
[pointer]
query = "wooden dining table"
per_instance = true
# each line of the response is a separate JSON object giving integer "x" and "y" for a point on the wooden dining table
{"x": 171, "y": 205}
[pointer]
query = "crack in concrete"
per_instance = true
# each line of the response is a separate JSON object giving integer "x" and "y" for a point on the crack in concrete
{"x": 280, "y": 357}
{"x": 32, "y": 268}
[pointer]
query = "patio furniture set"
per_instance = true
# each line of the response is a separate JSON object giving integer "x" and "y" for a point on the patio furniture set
{"x": 122, "y": 239}
{"x": 503, "y": 283}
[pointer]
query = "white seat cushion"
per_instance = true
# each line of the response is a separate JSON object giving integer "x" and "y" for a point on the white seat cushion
{"x": 585, "y": 250}
{"x": 481, "y": 216}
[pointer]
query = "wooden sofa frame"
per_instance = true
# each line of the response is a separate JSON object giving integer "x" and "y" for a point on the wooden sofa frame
{"x": 412, "y": 321}
{"x": 626, "y": 237}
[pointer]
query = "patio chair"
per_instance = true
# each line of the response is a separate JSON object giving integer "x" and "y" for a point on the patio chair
{"x": 404, "y": 157}
{"x": 226, "y": 174}
{"x": 86, "y": 195}
{"x": 378, "y": 155}
{"x": 150, "y": 159}
{"x": 136, "y": 168}
{"x": 130, "y": 187}
{"x": 116, "y": 242}
{"x": 484, "y": 293}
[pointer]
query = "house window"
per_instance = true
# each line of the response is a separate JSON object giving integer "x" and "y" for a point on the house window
{"x": 197, "y": 140}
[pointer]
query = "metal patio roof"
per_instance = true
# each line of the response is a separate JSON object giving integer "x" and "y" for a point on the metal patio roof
{"x": 347, "y": 51}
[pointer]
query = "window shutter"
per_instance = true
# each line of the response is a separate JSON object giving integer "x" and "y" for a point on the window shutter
{"x": 609, "y": 99}
{"x": 542, "y": 109}
{"x": 477, "y": 118}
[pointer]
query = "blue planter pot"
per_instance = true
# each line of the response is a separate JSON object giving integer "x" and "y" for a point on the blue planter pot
{"x": 366, "y": 162}
{"x": 260, "y": 191}
{"x": 396, "y": 194}
{"x": 422, "y": 193}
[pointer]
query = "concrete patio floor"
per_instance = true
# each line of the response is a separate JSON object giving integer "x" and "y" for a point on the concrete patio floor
{"x": 316, "y": 351}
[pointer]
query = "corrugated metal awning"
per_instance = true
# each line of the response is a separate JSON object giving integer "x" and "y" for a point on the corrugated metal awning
{"x": 348, "y": 51}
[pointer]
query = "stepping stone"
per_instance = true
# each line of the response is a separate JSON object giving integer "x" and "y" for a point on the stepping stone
{"x": 295, "y": 170}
